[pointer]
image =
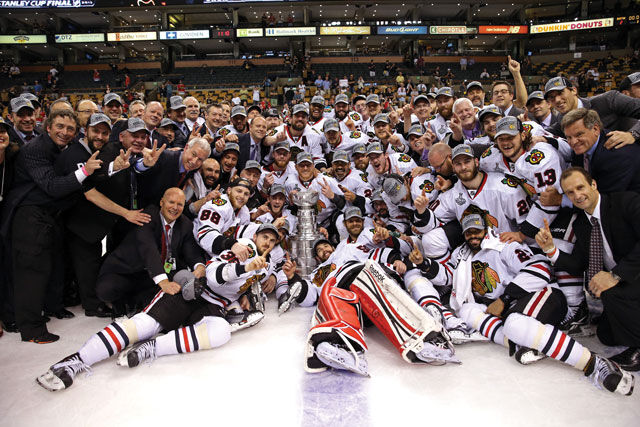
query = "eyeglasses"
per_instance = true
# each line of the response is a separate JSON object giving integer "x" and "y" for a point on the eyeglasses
{"x": 437, "y": 168}
{"x": 501, "y": 92}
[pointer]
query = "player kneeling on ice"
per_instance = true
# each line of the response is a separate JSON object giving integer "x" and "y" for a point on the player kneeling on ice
{"x": 506, "y": 293}
{"x": 200, "y": 309}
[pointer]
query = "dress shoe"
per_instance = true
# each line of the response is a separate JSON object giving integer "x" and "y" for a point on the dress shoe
{"x": 10, "y": 326}
{"x": 63, "y": 313}
{"x": 101, "y": 311}
{"x": 629, "y": 360}
{"x": 45, "y": 338}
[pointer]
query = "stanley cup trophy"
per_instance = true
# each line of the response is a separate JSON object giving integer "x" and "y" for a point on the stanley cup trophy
{"x": 302, "y": 242}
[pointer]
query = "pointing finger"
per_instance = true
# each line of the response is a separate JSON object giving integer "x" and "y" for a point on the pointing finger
{"x": 546, "y": 226}
{"x": 94, "y": 155}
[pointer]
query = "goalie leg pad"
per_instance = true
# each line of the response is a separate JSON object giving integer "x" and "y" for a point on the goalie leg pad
{"x": 338, "y": 320}
{"x": 398, "y": 317}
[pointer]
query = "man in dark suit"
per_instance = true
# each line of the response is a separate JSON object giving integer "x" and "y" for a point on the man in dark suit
{"x": 94, "y": 215}
{"x": 539, "y": 110}
{"x": 147, "y": 259}
{"x": 251, "y": 142}
{"x": 614, "y": 170}
{"x": 32, "y": 220}
{"x": 502, "y": 96}
{"x": 24, "y": 121}
{"x": 619, "y": 113}
{"x": 607, "y": 248}
{"x": 172, "y": 169}
{"x": 177, "y": 113}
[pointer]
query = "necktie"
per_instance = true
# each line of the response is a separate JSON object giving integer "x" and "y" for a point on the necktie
{"x": 585, "y": 162}
{"x": 181, "y": 180}
{"x": 165, "y": 236}
{"x": 28, "y": 137}
{"x": 596, "y": 250}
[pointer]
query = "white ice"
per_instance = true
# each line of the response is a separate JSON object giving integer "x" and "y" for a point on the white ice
{"x": 258, "y": 379}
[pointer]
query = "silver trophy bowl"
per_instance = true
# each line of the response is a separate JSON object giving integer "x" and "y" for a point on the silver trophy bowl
{"x": 307, "y": 233}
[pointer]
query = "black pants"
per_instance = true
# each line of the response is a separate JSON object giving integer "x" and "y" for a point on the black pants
{"x": 86, "y": 259}
{"x": 37, "y": 248}
{"x": 7, "y": 313}
{"x": 135, "y": 289}
{"x": 620, "y": 321}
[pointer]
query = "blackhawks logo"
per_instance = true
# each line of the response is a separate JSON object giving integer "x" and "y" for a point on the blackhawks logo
{"x": 427, "y": 186}
{"x": 403, "y": 157}
{"x": 489, "y": 219}
{"x": 510, "y": 181}
{"x": 484, "y": 279}
{"x": 231, "y": 231}
{"x": 527, "y": 127}
{"x": 322, "y": 273}
{"x": 219, "y": 201}
{"x": 355, "y": 116}
{"x": 356, "y": 134}
{"x": 272, "y": 132}
{"x": 486, "y": 153}
{"x": 224, "y": 132}
{"x": 535, "y": 157}
{"x": 256, "y": 278}
{"x": 363, "y": 176}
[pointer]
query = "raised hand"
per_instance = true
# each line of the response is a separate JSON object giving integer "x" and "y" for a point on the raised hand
{"x": 219, "y": 145}
{"x": 442, "y": 184}
{"x": 380, "y": 234}
{"x": 550, "y": 197}
{"x": 92, "y": 164}
{"x": 150, "y": 157}
{"x": 195, "y": 132}
{"x": 544, "y": 239}
{"x": 257, "y": 263}
{"x": 349, "y": 195}
{"x": 455, "y": 124}
{"x": 214, "y": 194}
{"x": 289, "y": 267}
{"x": 400, "y": 267}
{"x": 514, "y": 66}
{"x": 122, "y": 161}
{"x": 350, "y": 124}
{"x": 268, "y": 180}
{"x": 421, "y": 202}
{"x": 326, "y": 189}
{"x": 232, "y": 137}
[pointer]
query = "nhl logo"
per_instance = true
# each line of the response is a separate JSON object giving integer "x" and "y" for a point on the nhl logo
{"x": 460, "y": 199}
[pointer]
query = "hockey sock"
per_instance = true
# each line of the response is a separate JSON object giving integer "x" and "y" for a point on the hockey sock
{"x": 208, "y": 333}
{"x": 488, "y": 325}
{"x": 117, "y": 336}
{"x": 571, "y": 287}
{"x": 529, "y": 332}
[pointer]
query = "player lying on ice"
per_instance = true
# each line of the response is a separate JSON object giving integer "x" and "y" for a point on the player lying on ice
{"x": 201, "y": 310}
{"x": 506, "y": 293}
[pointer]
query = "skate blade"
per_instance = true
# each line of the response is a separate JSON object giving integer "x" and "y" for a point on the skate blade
{"x": 626, "y": 384}
{"x": 337, "y": 358}
{"x": 434, "y": 355}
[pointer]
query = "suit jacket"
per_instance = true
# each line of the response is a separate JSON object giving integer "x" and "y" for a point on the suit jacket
{"x": 244, "y": 141}
{"x": 614, "y": 170}
{"x": 36, "y": 182}
{"x": 141, "y": 248}
{"x": 515, "y": 111}
{"x": 14, "y": 137}
{"x": 617, "y": 112}
{"x": 620, "y": 221}
{"x": 162, "y": 176}
{"x": 87, "y": 220}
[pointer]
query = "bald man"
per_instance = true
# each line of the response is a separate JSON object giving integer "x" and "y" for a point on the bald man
{"x": 145, "y": 262}
{"x": 193, "y": 113}
{"x": 84, "y": 110}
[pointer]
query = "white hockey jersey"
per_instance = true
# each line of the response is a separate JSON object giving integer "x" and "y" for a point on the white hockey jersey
{"x": 325, "y": 206}
{"x": 309, "y": 141}
{"x": 426, "y": 182}
{"x": 398, "y": 162}
{"x": 216, "y": 218}
{"x": 224, "y": 284}
{"x": 499, "y": 199}
{"x": 439, "y": 126}
{"x": 279, "y": 177}
{"x": 346, "y": 143}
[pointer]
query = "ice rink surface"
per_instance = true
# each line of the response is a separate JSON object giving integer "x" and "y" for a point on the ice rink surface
{"x": 258, "y": 379}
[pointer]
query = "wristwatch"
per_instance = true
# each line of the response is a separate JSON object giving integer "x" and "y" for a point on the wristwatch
{"x": 635, "y": 134}
{"x": 616, "y": 277}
